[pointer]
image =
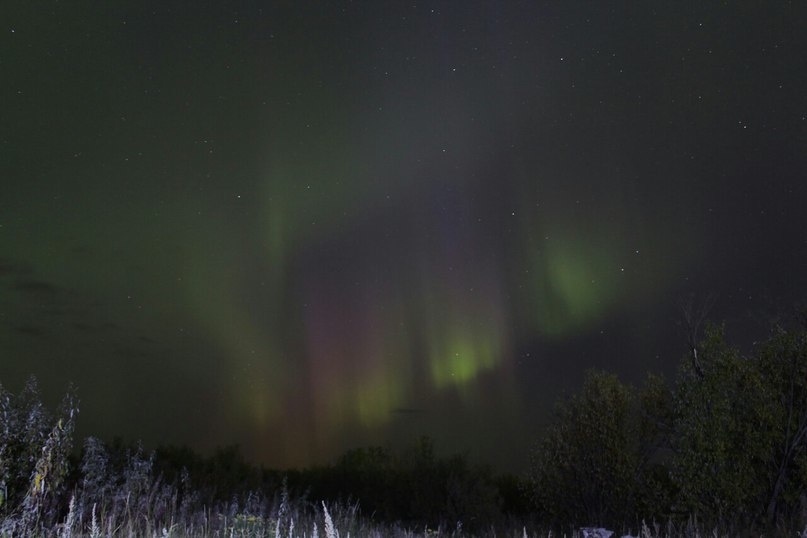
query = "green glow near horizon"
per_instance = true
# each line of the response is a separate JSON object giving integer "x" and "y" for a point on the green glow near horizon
{"x": 458, "y": 354}
{"x": 463, "y": 327}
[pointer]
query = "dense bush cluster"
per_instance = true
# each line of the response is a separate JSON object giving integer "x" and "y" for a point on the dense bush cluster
{"x": 594, "y": 465}
{"x": 727, "y": 443}
{"x": 414, "y": 487}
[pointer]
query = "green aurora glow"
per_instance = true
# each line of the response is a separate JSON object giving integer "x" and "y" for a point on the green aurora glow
{"x": 314, "y": 228}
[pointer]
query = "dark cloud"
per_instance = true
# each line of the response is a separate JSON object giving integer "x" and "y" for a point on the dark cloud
{"x": 10, "y": 267}
{"x": 82, "y": 251}
{"x": 36, "y": 286}
{"x": 83, "y": 326}
{"x": 30, "y": 330}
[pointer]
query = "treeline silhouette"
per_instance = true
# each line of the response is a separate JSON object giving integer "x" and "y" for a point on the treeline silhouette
{"x": 117, "y": 481}
{"x": 412, "y": 486}
{"x": 724, "y": 444}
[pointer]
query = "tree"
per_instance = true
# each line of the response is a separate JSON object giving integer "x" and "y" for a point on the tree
{"x": 741, "y": 429}
{"x": 34, "y": 458}
{"x": 592, "y": 465}
{"x": 782, "y": 361}
{"x": 692, "y": 321}
{"x": 24, "y": 426}
{"x": 720, "y": 432}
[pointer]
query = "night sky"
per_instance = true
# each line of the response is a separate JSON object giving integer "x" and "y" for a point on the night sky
{"x": 303, "y": 227}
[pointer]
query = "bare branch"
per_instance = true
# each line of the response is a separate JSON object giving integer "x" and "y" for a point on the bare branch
{"x": 693, "y": 317}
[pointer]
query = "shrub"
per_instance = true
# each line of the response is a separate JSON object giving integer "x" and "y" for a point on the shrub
{"x": 593, "y": 465}
{"x": 741, "y": 430}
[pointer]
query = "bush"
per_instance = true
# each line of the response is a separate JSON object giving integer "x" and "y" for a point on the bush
{"x": 594, "y": 465}
{"x": 741, "y": 430}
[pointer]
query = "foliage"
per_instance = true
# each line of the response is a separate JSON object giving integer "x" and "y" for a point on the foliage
{"x": 741, "y": 428}
{"x": 727, "y": 446}
{"x": 720, "y": 425}
{"x": 783, "y": 367}
{"x": 728, "y": 442}
{"x": 120, "y": 490}
{"x": 592, "y": 465}
{"x": 34, "y": 451}
{"x": 24, "y": 429}
{"x": 414, "y": 487}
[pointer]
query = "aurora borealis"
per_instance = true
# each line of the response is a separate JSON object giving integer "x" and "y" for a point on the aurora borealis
{"x": 307, "y": 226}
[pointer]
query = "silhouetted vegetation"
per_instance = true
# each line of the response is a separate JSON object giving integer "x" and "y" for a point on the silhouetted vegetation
{"x": 725, "y": 445}
{"x": 414, "y": 487}
{"x": 595, "y": 464}
{"x": 118, "y": 488}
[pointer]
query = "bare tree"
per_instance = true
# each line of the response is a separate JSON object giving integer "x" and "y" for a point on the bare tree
{"x": 692, "y": 317}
